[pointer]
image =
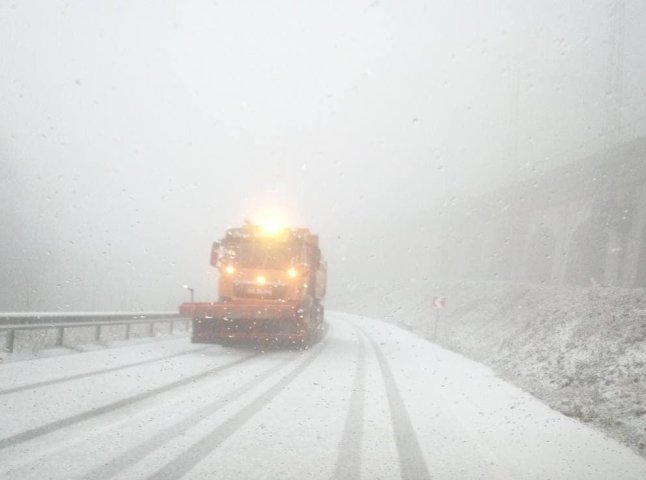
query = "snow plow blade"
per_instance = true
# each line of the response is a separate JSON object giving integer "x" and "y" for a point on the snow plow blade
{"x": 254, "y": 323}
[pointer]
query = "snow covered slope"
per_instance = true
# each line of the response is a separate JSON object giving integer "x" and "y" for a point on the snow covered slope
{"x": 370, "y": 401}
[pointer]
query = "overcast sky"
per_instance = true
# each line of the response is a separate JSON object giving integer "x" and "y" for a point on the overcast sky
{"x": 133, "y": 132}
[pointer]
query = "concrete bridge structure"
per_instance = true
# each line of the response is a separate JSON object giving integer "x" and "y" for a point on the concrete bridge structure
{"x": 583, "y": 223}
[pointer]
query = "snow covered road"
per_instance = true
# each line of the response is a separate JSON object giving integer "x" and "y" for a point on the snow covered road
{"x": 370, "y": 401}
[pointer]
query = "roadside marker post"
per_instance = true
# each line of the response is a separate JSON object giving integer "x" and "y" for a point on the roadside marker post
{"x": 439, "y": 303}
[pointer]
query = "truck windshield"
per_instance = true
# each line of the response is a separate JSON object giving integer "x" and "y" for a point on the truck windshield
{"x": 264, "y": 254}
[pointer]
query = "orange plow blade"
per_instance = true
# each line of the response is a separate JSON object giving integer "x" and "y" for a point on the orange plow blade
{"x": 223, "y": 322}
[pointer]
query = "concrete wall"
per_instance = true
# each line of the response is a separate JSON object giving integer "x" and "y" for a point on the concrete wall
{"x": 584, "y": 223}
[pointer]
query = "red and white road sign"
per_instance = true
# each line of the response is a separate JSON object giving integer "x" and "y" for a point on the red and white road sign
{"x": 439, "y": 302}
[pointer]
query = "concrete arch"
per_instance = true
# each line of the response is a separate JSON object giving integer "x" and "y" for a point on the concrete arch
{"x": 473, "y": 268}
{"x": 640, "y": 278}
{"x": 500, "y": 259}
{"x": 539, "y": 260}
{"x": 587, "y": 254}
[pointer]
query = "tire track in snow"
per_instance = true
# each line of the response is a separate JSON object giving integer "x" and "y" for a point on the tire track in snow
{"x": 348, "y": 463}
{"x": 412, "y": 464}
{"x": 80, "y": 417}
{"x": 185, "y": 462}
{"x": 136, "y": 453}
{"x": 46, "y": 383}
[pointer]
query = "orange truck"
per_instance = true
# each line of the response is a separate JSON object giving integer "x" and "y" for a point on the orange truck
{"x": 271, "y": 285}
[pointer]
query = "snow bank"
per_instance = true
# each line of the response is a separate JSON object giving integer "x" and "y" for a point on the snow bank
{"x": 581, "y": 350}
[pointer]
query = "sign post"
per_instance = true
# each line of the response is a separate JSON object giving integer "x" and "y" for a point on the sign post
{"x": 439, "y": 303}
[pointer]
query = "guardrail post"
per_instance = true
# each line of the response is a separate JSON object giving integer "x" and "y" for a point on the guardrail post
{"x": 60, "y": 331}
{"x": 171, "y": 324}
{"x": 127, "y": 331}
{"x": 97, "y": 333}
{"x": 151, "y": 330}
{"x": 11, "y": 337}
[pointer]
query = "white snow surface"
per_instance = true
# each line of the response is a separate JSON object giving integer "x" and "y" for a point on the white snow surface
{"x": 581, "y": 350}
{"x": 369, "y": 401}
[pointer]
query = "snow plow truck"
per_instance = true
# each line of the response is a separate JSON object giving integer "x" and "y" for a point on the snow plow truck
{"x": 271, "y": 285}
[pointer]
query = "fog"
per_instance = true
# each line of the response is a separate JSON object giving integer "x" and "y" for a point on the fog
{"x": 133, "y": 133}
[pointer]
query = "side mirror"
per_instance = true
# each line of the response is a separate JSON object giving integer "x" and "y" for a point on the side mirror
{"x": 316, "y": 258}
{"x": 215, "y": 248}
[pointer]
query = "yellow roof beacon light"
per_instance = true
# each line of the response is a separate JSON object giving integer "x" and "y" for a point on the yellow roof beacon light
{"x": 272, "y": 226}
{"x": 270, "y": 222}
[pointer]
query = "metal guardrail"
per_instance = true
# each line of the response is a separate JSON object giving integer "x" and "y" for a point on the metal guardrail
{"x": 62, "y": 322}
{"x": 31, "y": 318}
